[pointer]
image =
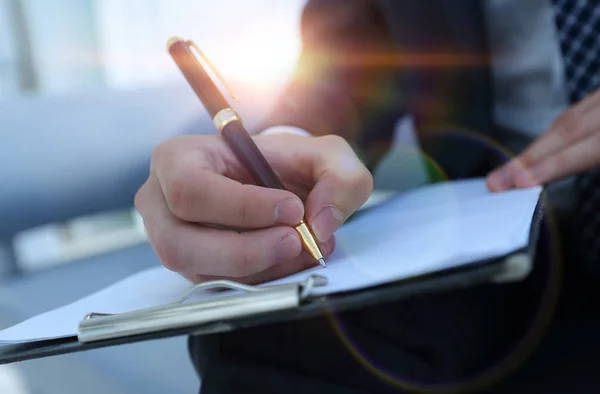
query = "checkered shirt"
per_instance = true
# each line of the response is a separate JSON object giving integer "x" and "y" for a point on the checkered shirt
{"x": 578, "y": 28}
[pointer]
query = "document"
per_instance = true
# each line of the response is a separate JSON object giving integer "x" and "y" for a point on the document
{"x": 421, "y": 231}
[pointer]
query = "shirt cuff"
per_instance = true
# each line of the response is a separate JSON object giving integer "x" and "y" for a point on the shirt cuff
{"x": 285, "y": 129}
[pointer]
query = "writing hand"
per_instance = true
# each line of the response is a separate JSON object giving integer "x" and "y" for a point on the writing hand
{"x": 206, "y": 220}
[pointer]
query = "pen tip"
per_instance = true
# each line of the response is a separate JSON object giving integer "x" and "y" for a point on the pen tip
{"x": 322, "y": 262}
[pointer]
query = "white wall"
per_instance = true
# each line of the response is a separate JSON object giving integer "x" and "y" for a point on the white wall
{"x": 64, "y": 48}
{"x": 83, "y": 45}
{"x": 251, "y": 41}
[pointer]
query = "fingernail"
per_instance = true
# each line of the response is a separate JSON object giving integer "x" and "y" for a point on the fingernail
{"x": 289, "y": 211}
{"x": 498, "y": 180}
{"x": 288, "y": 248}
{"x": 328, "y": 247}
{"x": 327, "y": 221}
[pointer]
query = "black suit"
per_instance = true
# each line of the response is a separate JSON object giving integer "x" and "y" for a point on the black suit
{"x": 364, "y": 64}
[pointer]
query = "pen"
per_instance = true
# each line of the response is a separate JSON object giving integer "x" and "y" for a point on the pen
{"x": 229, "y": 125}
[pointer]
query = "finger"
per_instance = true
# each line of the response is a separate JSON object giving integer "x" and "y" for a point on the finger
{"x": 575, "y": 159}
{"x": 195, "y": 193}
{"x": 503, "y": 178}
{"x": 196, "y": 250}
{"x": 339, "y": 183}
{"x": 343, "y": 184}
{"x": 570, "y": 127}
{"x": 298, "y": 264}
{"x": 574, "y": 126}
{"x": 590, "y": 103}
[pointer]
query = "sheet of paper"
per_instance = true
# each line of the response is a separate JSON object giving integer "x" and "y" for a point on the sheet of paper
{"x": 417, "y": 232}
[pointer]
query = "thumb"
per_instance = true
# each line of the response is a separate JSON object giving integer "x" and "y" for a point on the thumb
{"x": 342, "y": 185}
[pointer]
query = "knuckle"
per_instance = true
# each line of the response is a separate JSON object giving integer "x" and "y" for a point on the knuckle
{"x": 360, "y": 181}
{"x": 161, "y": 151}
{"x": 179, "y": 195}
{"x": 357, "y": 176}
{"x": 167, "y": 251}
{"x": 169, "y": 154}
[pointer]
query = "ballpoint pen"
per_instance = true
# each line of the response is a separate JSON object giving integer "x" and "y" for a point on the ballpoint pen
{"x": 229, "y": 125}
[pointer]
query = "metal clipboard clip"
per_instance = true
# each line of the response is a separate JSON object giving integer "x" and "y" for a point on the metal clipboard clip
{"x": 246, "y": 301}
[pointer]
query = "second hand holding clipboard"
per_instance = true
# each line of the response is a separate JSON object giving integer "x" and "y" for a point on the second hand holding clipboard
{"x": 229, "y": 125}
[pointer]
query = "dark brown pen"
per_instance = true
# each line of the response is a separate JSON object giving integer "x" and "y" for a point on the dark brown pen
{"x": 229, "y": 125}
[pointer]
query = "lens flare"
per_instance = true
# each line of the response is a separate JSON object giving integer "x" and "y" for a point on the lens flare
{"x": 525, "y": 345}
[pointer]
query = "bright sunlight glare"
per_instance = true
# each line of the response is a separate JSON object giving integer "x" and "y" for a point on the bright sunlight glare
{"x": 254, "y": 43}
{"x": 261, "y": 59}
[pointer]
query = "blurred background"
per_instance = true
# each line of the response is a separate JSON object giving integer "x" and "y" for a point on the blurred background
{"x": 87, "y": 90}
{"x": 88, "y": 85}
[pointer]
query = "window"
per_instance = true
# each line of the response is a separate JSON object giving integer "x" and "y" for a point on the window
{"x": 69, "y": 47}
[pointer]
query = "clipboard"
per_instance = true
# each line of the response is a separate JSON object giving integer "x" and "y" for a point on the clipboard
{"x": 100, "y": 331}
{"x": 250, "y": 306}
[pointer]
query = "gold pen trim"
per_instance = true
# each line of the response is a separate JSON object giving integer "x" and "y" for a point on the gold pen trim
{"x": 309, "y": 242}
{"x": 224, "y": 117}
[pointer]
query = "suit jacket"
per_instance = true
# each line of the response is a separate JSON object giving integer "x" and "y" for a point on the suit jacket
{"x": 365, "y": 63}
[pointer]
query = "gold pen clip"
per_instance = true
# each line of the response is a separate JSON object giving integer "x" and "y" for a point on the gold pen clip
{"x": 193, "y": 45}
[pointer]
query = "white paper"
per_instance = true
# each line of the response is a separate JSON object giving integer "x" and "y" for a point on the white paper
{"x": 417, "y": 232}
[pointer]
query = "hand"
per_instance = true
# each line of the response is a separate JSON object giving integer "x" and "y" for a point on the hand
{"x": 205, "y": 219}
{"x": 572, "y": 145}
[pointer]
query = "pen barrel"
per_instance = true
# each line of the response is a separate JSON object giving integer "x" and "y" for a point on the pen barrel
{"x": 199, "y": 80}
{"x": 246, "y": 151}
{"x": 232, "y": 130}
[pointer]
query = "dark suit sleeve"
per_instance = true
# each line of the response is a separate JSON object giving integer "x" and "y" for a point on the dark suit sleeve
{"x": 342, "y": 84}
